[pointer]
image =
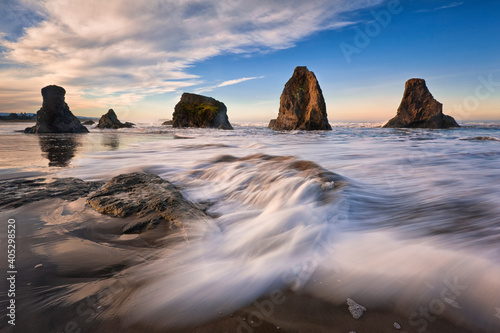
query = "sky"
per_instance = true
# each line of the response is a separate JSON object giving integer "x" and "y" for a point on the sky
{"x": 138, "y": 56}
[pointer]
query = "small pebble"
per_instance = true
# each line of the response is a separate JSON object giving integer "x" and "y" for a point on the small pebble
{"x": 356, "y": 309}
{"x": 38, "y": 266}
{"x": 396, "y": 325}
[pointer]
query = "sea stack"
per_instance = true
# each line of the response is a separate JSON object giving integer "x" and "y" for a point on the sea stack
{"x": 302, "y": 106}
{"x": 200, "y": 111}
{"x": 110, "y": 120}
{"x": 419, "y": 109}
{"x": 55, "y": 116}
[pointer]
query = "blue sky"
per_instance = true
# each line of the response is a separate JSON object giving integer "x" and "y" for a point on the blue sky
{"x": 137, "y": 57}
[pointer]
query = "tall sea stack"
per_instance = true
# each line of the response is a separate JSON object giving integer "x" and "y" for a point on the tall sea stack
{"x": 55, "y": 116}
{"x": 419, "y": 109}
{"x": 302, "y": 106}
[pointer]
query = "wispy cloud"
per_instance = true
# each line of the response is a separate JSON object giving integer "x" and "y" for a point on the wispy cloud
{"x": 452, "y": 5}
{"x": 228, "y": 83}
{"x": 120, "y": 51}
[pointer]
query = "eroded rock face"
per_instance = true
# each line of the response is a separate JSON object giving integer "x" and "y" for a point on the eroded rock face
{"x": 302, "y": 106}
{"x": 20, "y": 192}
{"x": 147, "y": 197}
{"x": 419, "y": 109}
{"x": 200, "y": 111}
{"x": 271, "y": 123}
{"x": 110, "y": 120}
{"x": 55, "y": 116}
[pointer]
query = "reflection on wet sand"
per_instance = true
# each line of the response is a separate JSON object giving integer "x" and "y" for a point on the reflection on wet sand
{"x": 111, "y": 140}
{"x": 59, "y": 149}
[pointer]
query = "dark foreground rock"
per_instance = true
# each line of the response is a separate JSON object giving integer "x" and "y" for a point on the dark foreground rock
{"x": 419, "y": 109}
{"x": 88, "y": 122}
{"x": 147, "y": 197}
{"x": 19, "y": 192}
{"x": 110, "y": 120}
{"x": 200, "y": 111}
{"x": 55, "y": 116}
{"x": 302, "y": 106}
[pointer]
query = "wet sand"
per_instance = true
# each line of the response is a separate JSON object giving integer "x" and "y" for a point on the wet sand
{"x": 82, "y": 283}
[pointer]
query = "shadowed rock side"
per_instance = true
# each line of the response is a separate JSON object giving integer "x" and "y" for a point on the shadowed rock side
{"x": 271, "y": 123}
{"x": 200, "y": 111}
{"x": 110, "y": 120}
{"x": 302, "y": 106}
{"x": 147, "y": 197}
{"x": 419, "y": 109}
{"x": 55, "y": 116}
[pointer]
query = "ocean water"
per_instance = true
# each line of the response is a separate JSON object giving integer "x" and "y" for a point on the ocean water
{"x": 399, "y": 218}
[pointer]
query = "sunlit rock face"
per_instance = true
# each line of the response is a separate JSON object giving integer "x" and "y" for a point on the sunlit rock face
{"x": 302, "y": 106}
{"x": 200, "y": 111}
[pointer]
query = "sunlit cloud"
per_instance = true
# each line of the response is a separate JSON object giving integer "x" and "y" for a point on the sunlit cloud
{"x": 121, "y": 51}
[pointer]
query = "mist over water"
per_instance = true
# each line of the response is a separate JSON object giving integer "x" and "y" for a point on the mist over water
{"x": 392, "y": 218}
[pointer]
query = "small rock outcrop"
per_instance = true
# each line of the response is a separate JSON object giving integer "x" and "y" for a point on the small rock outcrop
{"x": 88, "y": 122}
{"x": 200, "y": 111}
{"x": 55, "y": 116}
{"x": 168, "y": 122}
{"x": 419, "y": 109}
{"x": 110, "y": 120}
{"x": 302, "y": 106}
{"x": 271, "y": 123}
{"x": 148, "y": 198}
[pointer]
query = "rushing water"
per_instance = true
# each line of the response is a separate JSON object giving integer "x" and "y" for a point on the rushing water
{"x": 401, "y": 215}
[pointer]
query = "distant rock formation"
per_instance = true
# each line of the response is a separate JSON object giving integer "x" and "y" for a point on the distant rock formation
{"x": 88, "y": 122}
{"x": 200, "y": 111}
{"x": 419, "y": 109}
{"x": 18, "y": 117}
{"x": 271, "y": 123}
{"x": 168, "y": 122}
{"x": 55, "y": 116}
{"x": 302, "y": 106}
{"x": 110, "y": 120}
{"x": 148, "y": 198}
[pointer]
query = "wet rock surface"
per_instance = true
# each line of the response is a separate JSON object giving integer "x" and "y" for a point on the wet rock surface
{"x": 19, "y": 192}
{"x": 55, "y": 116}
{"x": 419, "y": 109}
{"x": 147, "y": 197}
{"x": 200, "y": 111}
